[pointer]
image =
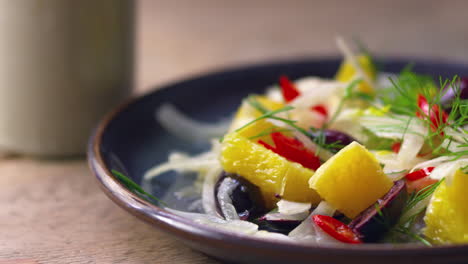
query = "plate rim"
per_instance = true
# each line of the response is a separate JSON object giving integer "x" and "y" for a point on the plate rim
{"x": 184, "y": 228}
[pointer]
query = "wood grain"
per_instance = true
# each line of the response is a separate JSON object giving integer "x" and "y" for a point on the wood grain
{"x": 53, "y": 212}
{"x": 18, "y": 261}
{"x": 56, "y": 214}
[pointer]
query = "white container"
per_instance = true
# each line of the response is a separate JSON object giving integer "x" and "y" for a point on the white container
{"x": 63, "y": 64}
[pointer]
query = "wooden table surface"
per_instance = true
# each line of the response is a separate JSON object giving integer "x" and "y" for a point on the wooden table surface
{"x": 53, "y": 211}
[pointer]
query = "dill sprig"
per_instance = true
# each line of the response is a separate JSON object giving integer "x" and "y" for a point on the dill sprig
{"x": 319, "y": 137}
{"x": 406, "y": 223}
{"x": 268, "y": 131}
{"x": 402, "y": 100}
{"x": 402, "y": 96}
{"x": 383, "y": 217}
{"x": 272, "y": 115}
{"x": 464, "y": 169}
{"x": 319, "y": 140}
{"x": 349, "y": 93}
{"x": 136, "y": 189}
{"x": 256, "y": 104}
{"x": 416, "y": 197}
{"x": 268, "y": 114}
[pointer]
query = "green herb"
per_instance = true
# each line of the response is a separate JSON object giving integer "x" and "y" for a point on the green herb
{"x": 256, "y": 104}
{"x": 268, "y": 131}
{"x": 464, "y": 169}
{"x": 402, "y": 99}
{"x": 292, "y": 123}
{"x": 422, "y": 194}
{"x": 402, "y": 96}
{"x": 383, "y": 217}
{"x": 349, "y": 94}
{"x": 319, "y": 138}
{"x": 268, "y": 114}
{"x": 405, "y": 224}
{"x": 135, "y": 188}
{"x": 272, "y": 115}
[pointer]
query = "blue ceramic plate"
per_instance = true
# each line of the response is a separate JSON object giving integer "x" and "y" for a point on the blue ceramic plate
{"x": 131, "y": 141}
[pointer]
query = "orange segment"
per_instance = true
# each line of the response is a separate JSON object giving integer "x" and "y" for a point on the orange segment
{"x": 347, "y": 72}
{"x": 447, "y": 214}
{"x": 351, "y": 181}
{"x": 273, "y": 174}
{"x": 247, "y": 113}
{"x": 257, "y": 128}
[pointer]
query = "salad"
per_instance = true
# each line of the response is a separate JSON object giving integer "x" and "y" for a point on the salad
{"x": 365, "y": 157}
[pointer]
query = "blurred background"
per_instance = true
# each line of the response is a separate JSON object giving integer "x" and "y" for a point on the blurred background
{"x": 53, "y": 212}
{"x": 181, "y": 38}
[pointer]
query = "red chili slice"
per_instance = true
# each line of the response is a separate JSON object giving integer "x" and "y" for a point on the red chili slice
{"x": 436, "y": 115}
{"x": 396, "y": 147}
{"x": 288, "y": 89}
{"x": 320, "y": 109}
{"x": 293, "y": 150}
{"x": 419, "y": 174}
{"x": 336, "y": 229}
{"x": 418, "y": 185}
{"x": 290, "y": 92}
{"x": 266, "y": 145}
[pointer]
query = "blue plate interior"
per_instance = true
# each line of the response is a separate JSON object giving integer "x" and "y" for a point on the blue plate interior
{"x": 133, "y": 141}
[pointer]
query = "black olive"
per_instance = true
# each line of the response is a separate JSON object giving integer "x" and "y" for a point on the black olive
{"x": 376, "y": 220}
{"x": 333, "y": 136}
{"x": 246, "y": 197}
{"x": 277, "y": 226}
